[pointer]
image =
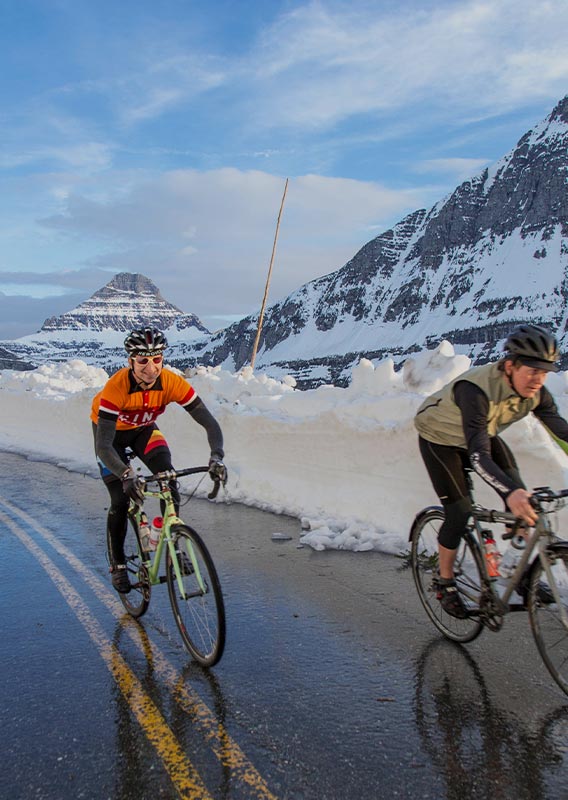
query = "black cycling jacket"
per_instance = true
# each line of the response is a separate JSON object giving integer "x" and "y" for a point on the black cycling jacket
{"x": 474, "y": 406}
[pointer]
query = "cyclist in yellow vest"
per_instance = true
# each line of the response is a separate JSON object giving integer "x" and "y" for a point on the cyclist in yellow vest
{"x": 124, "y": 417}
{"x": 460, "y": 425}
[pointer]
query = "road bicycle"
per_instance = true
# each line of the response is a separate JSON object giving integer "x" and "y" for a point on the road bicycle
{"x": 193, "y": 584}
{"x": 540, "y": 577}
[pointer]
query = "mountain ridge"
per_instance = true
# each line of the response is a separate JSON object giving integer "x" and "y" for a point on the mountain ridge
{"x": 489, "y": 255}
{"x": 94, "y": 331}
{"x": 455, "y": 263}
{"x": 130, "y": 300}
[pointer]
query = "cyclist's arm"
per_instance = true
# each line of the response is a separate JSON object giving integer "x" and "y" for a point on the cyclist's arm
{"x": 547, "y": 413}
{"x": 474, "y": 406}
{"x": 106, "y": 430}
{"x": 205, "y": 418}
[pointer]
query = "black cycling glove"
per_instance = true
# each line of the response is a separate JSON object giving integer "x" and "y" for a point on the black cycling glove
{"x": 217, "y": 470}
{"x": 133, "y": 486}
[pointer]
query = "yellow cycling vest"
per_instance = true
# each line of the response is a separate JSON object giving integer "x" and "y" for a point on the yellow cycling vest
{"x": 439, "y": 419}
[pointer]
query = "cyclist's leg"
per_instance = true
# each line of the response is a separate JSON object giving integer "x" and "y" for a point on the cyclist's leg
{"x": 152, "y": 448}
{"x": 117, "y": 520}
{"x": 117, "y": 517}
{"x": 445, "y": 466}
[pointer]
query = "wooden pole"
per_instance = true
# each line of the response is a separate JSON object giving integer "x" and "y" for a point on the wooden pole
{"x": 261, "y": 315}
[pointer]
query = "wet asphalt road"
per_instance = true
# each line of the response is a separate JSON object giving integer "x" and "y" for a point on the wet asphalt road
{"x": 333, "y": 685}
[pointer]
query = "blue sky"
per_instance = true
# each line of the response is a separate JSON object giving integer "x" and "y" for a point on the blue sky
{"x": 157, "y": 137}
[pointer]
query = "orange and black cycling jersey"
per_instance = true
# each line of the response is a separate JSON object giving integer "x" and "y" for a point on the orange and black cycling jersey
{"x": 124, "y": 401}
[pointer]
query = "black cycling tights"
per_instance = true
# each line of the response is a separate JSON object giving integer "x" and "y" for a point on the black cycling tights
{"x": 446, "y": 467}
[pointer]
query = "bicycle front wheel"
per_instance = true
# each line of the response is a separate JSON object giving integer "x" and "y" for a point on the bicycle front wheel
{"x": 197, "y": 602}
{"x": 425, "y": 570}
{"x": 545, "y": 614}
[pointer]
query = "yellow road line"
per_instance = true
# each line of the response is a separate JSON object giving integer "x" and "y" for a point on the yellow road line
{"x": 225, "y": 749}
{"x": 180, "y": 769}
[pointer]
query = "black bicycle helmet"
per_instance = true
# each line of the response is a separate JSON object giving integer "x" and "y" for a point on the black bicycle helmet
{"x": 534, "y": 346}
{"x": 145, "y": 342}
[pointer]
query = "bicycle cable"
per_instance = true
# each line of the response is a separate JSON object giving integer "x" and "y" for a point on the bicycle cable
{"x": 190, "y": 496}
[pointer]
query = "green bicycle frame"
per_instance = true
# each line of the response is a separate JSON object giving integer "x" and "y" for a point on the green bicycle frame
{"x": 152, "y": 559}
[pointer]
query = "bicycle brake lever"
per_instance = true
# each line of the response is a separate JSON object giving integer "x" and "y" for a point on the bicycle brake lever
{"x": 514, "y": 530}
{"x": 215, "y": 490}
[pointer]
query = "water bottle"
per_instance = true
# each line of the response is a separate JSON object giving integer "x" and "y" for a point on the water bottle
{"x": 144, "y": 532}
{"x": 155, "y": 532}
{"x": 492, "y": 554}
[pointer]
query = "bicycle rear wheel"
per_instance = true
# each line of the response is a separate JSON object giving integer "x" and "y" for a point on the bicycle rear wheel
{"x": 199, "y": 611}
{"x": 137, "y": 600}
{"x": 424, "y": 559}
{"x": 549, "y": 631}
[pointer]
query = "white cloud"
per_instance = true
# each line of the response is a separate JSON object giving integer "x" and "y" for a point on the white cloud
{"x": 230, "y": 218}
{"x": 313, "y": 68}
{"x": 320, "y": 64}
{"x": 227, "y": 204}
{"x": 84, "y": 157}
{"x": 459, "y": 168}
{"x": 158, "y": 86}
{"x": 37, "y": 134}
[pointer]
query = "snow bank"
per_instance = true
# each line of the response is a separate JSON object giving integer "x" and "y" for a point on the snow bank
{"x": 344, "y": 461}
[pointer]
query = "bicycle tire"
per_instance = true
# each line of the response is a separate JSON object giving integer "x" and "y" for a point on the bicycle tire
{"x": 137, "y": 600}
{"x": 200, "y": 616}
{"x": 424, "y": 561}
{"x": 550, "y": 634}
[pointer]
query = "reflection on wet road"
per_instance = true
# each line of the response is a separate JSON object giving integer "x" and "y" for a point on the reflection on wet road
{"x": 332, "y": 685}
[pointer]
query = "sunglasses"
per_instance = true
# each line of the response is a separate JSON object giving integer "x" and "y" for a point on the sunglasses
{"x": 142, "y": 360}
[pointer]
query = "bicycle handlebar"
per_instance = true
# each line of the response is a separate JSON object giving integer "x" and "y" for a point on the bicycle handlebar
{"x": 491, "y": 515}
{"x": 544, "y": 494}
{"x": 172, "y": 474}
{"x": 541, "y": 494}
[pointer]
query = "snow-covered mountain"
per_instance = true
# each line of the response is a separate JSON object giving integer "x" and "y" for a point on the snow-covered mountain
{"x": 126, "y": 302}
{"x": 94, "y": 331}
{"x": 490, "y": 255}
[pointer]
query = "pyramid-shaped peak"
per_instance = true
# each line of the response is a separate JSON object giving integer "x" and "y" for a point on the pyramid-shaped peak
{"x": 131, "y": 283}
{"x": 130, "y": 300}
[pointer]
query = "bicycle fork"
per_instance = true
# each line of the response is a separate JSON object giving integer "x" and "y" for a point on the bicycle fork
{"x": 175, "y": 555}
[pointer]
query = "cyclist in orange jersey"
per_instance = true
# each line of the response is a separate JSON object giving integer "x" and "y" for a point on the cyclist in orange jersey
{"x": 124, "y": 417}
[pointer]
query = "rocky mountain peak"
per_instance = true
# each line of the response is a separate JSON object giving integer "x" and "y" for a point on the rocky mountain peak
{"x": 129, "y": 300}
{"x": 491, "y": 254}
{"x": 560, "y": 112}
{"x": 129, "y": 283}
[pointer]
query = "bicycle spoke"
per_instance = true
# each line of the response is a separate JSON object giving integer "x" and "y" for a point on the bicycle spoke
{"x": 198, "y": 604}
{"x": 137, "y": 600}
{"x": 424, "y": 558}
{"x": 548, "y": 627}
